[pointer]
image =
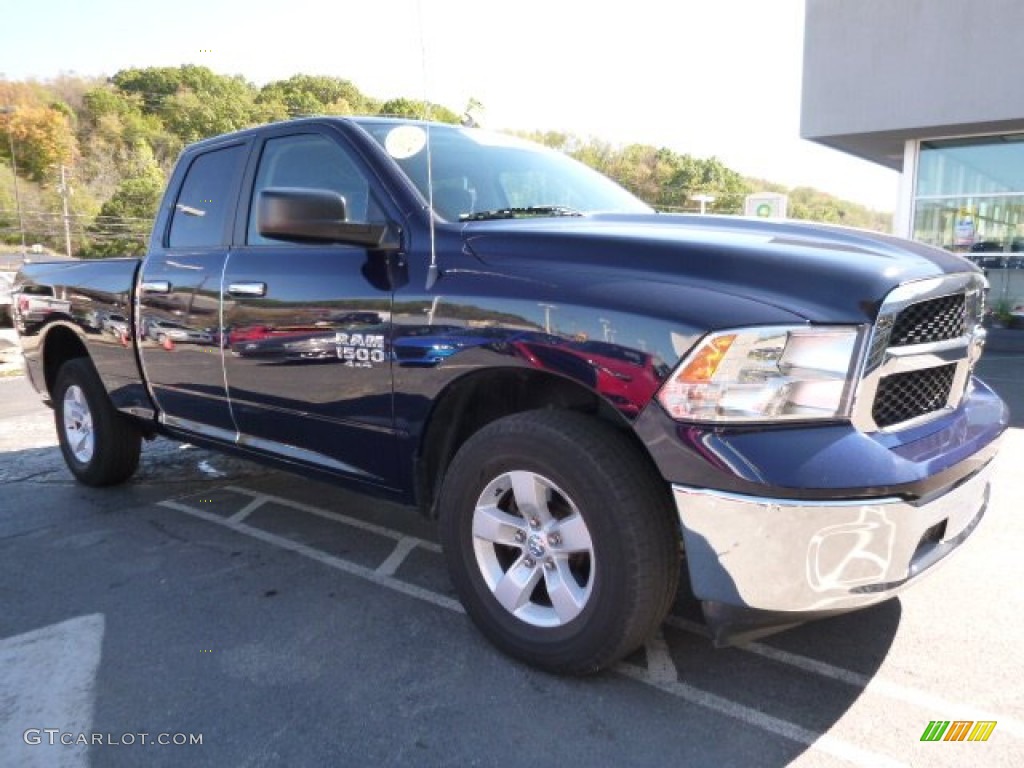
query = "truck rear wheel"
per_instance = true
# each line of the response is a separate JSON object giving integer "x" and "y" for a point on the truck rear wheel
{"x": 100, "y": 446}
{"x": 560, "y": 540}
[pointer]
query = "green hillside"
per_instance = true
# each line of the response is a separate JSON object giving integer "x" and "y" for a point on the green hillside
{"x": 114, "y": 141}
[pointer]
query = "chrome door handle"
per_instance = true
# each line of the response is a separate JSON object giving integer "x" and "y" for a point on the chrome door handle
{"x": 247, "y": 289}
{"x": 156, "y": 286}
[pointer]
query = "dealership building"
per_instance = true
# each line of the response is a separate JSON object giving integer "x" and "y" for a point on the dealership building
{"x": 934, "y": 90}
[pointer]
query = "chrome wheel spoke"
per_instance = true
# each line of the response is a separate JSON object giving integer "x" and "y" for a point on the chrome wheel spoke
{"x": 72, "y": 414}
{"x": 78, "y": 424}
{"x": 491, "y": 524}
{"x": 531, "y": 495}
{"x": 567, "y": 597}
{"x": 573, "y": 535}
{"x": 515, "y": 587}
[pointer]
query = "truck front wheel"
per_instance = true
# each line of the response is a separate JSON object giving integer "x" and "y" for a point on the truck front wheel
{"x": 560, "y": 540}
{"x": 100, "y": 446}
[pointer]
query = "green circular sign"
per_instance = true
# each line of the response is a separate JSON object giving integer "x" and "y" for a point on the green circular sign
{"x": 764, "y": 210}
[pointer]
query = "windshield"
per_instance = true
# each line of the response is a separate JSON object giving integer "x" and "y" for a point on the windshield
{"x": 480, "y": 174}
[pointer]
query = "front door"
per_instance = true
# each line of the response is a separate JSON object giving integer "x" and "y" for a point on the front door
{"x": 307, "y": 326}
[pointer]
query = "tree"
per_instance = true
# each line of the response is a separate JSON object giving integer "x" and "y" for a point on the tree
{"x": 124, "y": 221}
{"x": 9, "y": 224}
{"x": 661, "y": 177}
{"x": 815, "y": 205}
{"x": 316, "y": 95}
{"x": 42, "y": 137}
{"x": 418, "y": 110}
{"x": 192, "y": 102}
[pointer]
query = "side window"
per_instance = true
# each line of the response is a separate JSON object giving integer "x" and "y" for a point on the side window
{"x": 311, "y": 161}
{"x": 203, "y": 204}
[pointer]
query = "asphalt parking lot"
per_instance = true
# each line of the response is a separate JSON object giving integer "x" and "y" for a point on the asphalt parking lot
{"x": 283, "y": 621}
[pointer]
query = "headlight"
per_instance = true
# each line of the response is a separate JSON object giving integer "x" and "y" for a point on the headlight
{"x": 765, "y": 374}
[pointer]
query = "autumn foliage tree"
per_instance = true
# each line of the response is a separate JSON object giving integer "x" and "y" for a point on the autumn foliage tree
{"x": 40, "y": 129}
{"x": 315, "y": 95}
{"x": 118, "y": 139}
{"x": 661, "y": 177}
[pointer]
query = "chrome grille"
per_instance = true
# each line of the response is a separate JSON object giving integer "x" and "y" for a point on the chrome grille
{"x": 905, "y": 396}
{"x": 922, "y": 348}
{"x": 929, "y": 321}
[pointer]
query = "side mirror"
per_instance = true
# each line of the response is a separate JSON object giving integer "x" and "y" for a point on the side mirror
{"x": 316, "y": 215}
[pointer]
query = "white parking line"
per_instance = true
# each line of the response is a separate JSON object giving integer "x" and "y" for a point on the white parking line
{"x": 336, "y": 517}
{"x": 818, "y": 742}
{"x": 248, "y": 509}
{"x": 320, "y": 556}
{"x": 876, "y": 685}
{"x": 660, "y": 666}
{"x": 394, "y": 561}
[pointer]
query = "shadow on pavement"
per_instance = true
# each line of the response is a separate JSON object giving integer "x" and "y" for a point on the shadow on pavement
{"x": 1002, "y": 368}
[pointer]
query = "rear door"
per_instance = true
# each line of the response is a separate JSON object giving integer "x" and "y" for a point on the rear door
{"x": 307, "y": 366}
{"x": 178, "y": 319}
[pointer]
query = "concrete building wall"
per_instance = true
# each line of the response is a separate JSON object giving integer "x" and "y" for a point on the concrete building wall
{"x": 880, "y": 72}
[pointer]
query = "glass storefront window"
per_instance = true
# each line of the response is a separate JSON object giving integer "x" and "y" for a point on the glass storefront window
{"x": 991, "y": 165}
{"x": 969, "y": 198}
{"x": 970, "y": 195}
{"x": 972, "y": 224}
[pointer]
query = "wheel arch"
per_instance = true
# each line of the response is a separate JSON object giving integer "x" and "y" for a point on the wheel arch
{"x": 478, "y": 398}
{"x": 60, "y": 345}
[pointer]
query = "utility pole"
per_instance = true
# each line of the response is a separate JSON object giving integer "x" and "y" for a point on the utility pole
{"x": 65, "y": 193}
{"x": 547, "y": 315}
{"x": 14, "y": 169}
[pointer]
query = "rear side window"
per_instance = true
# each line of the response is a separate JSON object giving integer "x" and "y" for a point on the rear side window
{"x": 201, "y": 211}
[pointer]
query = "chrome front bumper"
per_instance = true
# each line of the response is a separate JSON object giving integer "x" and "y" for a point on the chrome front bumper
{"x": 759, "y": 565}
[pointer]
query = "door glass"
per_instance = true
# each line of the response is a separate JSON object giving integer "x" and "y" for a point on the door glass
{"x": 201, "y": 211}
{"x": 309, "y": 161}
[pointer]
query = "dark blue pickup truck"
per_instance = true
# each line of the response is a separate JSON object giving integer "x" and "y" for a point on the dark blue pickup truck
{"x": 587, "y": 394}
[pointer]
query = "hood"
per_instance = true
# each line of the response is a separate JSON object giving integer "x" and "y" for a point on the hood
{"x": 818, "y": 272}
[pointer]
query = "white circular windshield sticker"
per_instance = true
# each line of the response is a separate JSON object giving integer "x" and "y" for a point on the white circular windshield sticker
{"x": 405, "y": 141}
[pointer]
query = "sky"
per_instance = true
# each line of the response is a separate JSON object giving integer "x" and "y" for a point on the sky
{"x": 706, "y": 77}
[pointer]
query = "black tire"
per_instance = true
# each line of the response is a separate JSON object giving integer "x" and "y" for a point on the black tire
{"x": 588, "y": 478}
{"x": 100, "y": 446}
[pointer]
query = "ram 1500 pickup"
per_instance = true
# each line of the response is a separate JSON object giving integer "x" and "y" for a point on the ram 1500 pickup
{"x": 587, "y": 394}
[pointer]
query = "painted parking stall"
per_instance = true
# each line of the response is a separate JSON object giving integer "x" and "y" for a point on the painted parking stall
{"x": 222, "y": 599}
{"x": 414, "y": 567}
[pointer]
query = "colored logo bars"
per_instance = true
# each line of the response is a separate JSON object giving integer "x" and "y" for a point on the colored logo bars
{"x": 958, "y": 730}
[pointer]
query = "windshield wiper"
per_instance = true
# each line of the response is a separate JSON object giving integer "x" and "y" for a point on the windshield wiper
{"x": 520, "y": 213}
